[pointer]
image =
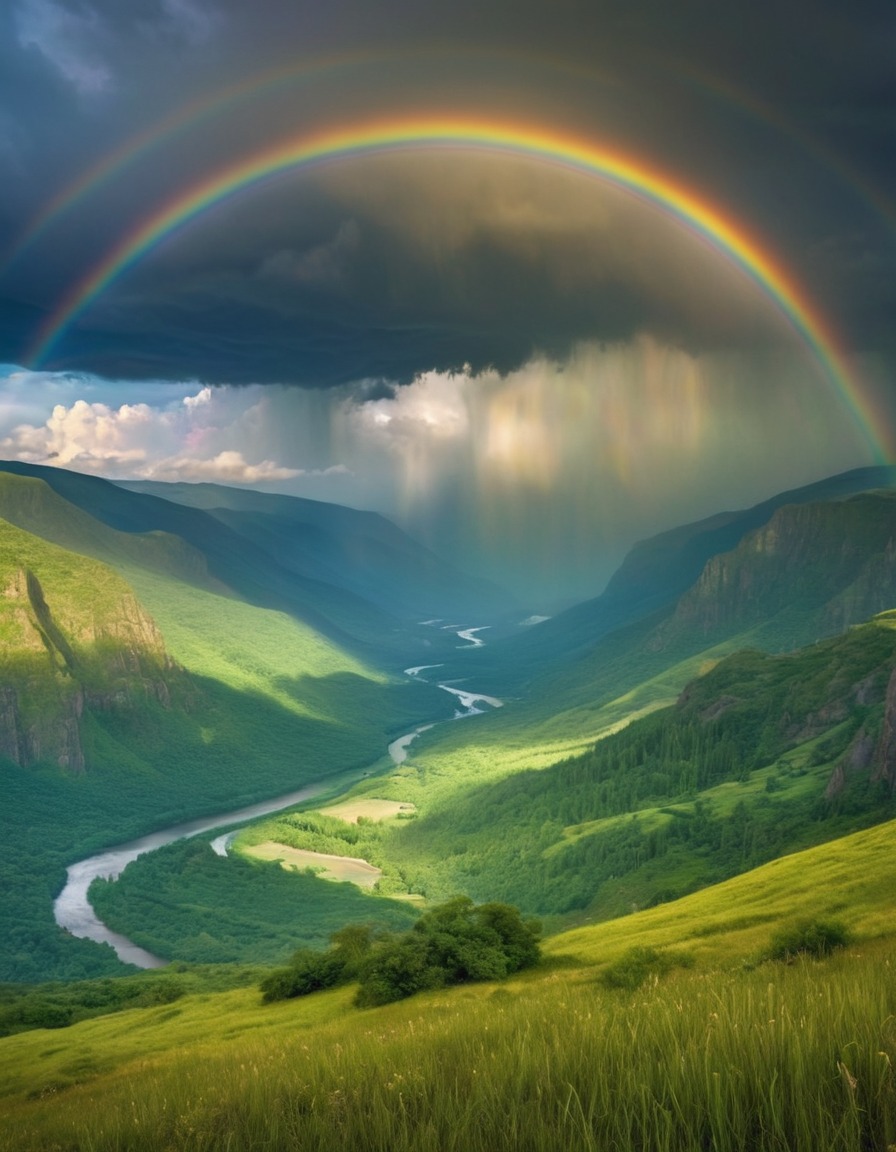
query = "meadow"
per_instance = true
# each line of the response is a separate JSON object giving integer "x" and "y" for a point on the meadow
{"x": 716, "y": 1050}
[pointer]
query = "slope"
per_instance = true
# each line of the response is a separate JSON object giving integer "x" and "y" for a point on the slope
{"x": 361, "y": 552}
{"x": 760, "y": 756}
{"x": 226, "y": 560}
{"x": 651, "y": 578}
{"x": 724, "y": 1055}
{"x": 813, "y": 570}
{"x": 107, "y": 729}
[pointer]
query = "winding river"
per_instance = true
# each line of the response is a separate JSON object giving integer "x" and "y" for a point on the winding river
{"x": 74, "y": 912}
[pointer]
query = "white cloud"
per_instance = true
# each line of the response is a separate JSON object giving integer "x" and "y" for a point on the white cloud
{"x": 228, "y": 467}
{"x": 192, "y": 439}
{"x": 433, "y": 407}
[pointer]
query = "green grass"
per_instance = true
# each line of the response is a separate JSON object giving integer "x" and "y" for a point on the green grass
{"x": 734, "y": 775}
{"x": 257, "y": 704}
{"x": 727, "y": 1054}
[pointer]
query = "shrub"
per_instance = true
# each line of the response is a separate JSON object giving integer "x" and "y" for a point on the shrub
{"x": 633, "y": 968}
{"x": 807, "y": 938}
{"x": 309, "y": 972}
{"x": 452, "y": 943}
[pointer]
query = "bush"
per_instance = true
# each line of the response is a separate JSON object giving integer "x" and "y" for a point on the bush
{"x": 452, "y": 943}
{"x": 807, "y": 938}
{"x": 309, "y": 972}
{"x": 633, "y": 968}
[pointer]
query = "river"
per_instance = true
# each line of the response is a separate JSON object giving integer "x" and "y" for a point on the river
{"x": 74, "y": 912}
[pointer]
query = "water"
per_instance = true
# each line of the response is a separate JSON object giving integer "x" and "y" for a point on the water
{"x": 74, "y": 912}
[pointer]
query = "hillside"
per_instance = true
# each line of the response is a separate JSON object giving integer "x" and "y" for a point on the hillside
{"x": 361, "y": 552}
{"x": 715, "y": 1049}
{"x": 191, "y": 544}
{"x": 813, "y": 570}
{"x": 760, "y": 756}
{"x": 125, "y": 706}
{"x": 653, "y": 576}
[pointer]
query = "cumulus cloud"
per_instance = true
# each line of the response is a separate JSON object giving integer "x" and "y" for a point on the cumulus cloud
{"x": 228, "y": 467}
{"x": 190, "y": 440}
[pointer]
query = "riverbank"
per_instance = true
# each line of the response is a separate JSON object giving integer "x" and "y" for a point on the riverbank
{"x": 72, "y": 909}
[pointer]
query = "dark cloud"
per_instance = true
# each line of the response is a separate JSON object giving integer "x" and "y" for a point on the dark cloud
{"x": 785, "y": 113}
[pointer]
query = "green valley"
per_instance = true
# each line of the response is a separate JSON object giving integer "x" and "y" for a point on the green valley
{"x": 667, "y": 795}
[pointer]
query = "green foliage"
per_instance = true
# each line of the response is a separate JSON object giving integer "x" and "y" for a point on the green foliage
{"x": 184, "y": 902}
{"x": 60, "y": 1004}
{"x": 308, "y": 972}
{"x": 257, "y": 704}
{"x": 453, "y": 943}
{"x": 639, "y": 963}
{"x": 311, "y": 971}
{"x": 808, "y": 937}
{"x": 735, "y": 774}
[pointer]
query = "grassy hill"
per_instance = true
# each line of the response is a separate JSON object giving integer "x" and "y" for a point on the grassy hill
{"x": 716, "y": 1049}
{"x": 127, "y": 705}
{"x": 94, "y": 516}
{"x": 362, "y": 552}
{"x": 760, "y": 756}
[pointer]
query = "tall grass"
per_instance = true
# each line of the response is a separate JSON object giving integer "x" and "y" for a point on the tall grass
{"x": 783, "y": 1057}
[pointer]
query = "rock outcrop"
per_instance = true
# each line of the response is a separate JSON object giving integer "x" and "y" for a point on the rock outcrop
{"x": 87, "y": 645}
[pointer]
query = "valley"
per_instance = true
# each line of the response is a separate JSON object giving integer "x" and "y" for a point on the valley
{"x": 214, "y": 757}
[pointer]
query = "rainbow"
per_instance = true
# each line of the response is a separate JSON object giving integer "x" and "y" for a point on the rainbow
{"x": 545, "y": 145}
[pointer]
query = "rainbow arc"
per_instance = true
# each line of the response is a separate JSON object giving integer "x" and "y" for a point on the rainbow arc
{"x": 730, "y": 237}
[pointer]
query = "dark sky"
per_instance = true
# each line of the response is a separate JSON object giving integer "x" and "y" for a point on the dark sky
{"x": 371, "y": 280}
{"x": 783, "y": 113}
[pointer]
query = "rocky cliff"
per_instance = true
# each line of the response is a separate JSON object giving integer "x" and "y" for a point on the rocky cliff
{"x": 74, "y": 640}
{"x": 823, "y": 566}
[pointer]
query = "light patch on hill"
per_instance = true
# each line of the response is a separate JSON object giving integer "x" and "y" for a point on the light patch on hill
{"x": 352, "y": 810}
{"x": 326, "y": 866}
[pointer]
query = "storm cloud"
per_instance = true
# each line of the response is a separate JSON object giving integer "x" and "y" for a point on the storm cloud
{"x": 528, "y": 367}
{"x": 783, "y": 115}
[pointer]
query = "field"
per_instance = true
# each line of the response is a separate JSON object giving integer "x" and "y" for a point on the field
{"x": 715, "y": 1049}
{"x": 324, "y": 864}
{"x": 366, "y": 809}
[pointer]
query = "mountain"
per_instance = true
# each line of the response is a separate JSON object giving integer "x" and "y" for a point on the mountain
{"x": 658, "y": 571}
{"x": 137, "y": 688}
{"x": 75, "y": 640}
{"x": 809, "y": 572}
{"x": 760, "y": 756}
{"x": 215, "y": 675}
{"x": 361, "y": 552}
{"x": 256, "y": 564}
{"x": 812, "y": 567}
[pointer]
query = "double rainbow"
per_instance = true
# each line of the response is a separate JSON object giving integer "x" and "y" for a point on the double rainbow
{"x": 549, "y": 146}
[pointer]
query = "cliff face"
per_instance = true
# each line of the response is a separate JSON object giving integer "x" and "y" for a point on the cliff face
{"x": 885, "y": 752}
{"x": 73, "y": 640}
{"x": 835, "y": 564}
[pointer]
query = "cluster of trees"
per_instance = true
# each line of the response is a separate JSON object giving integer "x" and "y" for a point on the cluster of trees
{"x": 527, "y": 840}
{"x": 452, "y": 943}
{"x": 184, "y": 902}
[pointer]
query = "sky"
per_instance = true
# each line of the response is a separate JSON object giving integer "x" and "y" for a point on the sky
{"x": 534, "y": 279}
